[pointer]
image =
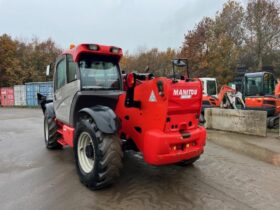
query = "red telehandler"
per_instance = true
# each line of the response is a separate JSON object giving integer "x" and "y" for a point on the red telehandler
{"x": 91, "y": 113}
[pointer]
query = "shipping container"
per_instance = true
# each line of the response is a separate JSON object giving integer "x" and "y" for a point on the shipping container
{"x": 32, "y": 89}
{"x": 7, "y": 96}
{"x": 20, "y": 95}
{"x": 46, "y": 89}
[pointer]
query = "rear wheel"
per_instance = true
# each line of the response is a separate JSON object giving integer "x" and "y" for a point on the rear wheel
{"x": 50, "y": 131}
{"x": 188, "y": 162}
{"x": 98, "y": 156}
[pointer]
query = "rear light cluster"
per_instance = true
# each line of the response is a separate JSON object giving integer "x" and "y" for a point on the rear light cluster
{"x": 115, "y": 50}
{"x": 93, "y": 47}
{"x": 96, "y": 47}
{"x": 183, "y": 147}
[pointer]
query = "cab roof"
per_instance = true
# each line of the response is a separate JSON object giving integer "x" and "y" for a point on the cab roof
{"x": 96, "y": 49}
{"x": 257, "y": 74}
{"x": 207, "y": 78}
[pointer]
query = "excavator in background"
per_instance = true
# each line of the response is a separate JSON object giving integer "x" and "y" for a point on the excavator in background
{"x": 260, "y": 92}
{"x": 254, "y": 91}
{"x": 227, "y": 98}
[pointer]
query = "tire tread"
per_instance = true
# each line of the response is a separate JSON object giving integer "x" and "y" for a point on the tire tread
{"x": 109, "y": 155}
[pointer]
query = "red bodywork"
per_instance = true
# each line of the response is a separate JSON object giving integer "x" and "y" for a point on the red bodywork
{"x": 268, "y": 103}
{"x": 102, "y": 50}
{"x": 277, "y": 90}
{"x": 166, "y": 127}
{"x": 271, "y": 104}
{"x": 213, "y": 101}
{"x": 67, "y": 134}
{"x": 170, "y": 130}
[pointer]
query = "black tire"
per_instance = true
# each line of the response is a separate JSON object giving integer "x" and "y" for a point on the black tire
{"x": 188, "y": 162}
{"x": 201, "y": 118}
{"x": 106, "y": 155}
{"x": 50, "y": 133}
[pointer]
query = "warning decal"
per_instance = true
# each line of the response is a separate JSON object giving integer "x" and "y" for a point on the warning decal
{"x": 153, "y": 97}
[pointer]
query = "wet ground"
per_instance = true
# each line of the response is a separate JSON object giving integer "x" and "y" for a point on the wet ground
{"x": 31, "y": 177}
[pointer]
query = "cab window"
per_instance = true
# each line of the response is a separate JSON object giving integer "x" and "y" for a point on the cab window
{"x": 98, "y": 72}
{"x": 60, "y": 74}
{"x": 71, "y": 69}
{"x": 211, "y": 87}
{"x": 268, "y": 84}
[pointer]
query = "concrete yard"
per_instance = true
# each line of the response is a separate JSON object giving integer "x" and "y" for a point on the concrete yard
{"x": 262, "y": 148}
{"x": 32, "y": 177}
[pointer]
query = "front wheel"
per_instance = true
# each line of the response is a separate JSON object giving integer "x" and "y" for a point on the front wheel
{"x": 51, "y": 134}
{"x": 98, "y": 156}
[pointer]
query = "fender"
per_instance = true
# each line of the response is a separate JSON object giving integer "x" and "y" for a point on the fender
{"x": 49, "y": 110}
{"x": 104, "y": 117}
{"x": 43, "y": 101}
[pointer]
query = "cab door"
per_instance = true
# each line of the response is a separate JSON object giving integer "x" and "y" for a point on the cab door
{"x": 72, "y": 86}
{"x": 59, "y": 88}
{"x": 66, "y": 87}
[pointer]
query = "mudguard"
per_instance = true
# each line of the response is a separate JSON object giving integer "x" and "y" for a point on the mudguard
{"x": 43, "y": 101}
{"x": 49, "y": 110}
{"x": 104, "y": 117}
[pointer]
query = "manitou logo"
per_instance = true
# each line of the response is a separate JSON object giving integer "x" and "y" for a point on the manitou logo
{"x": 183, "y": 93}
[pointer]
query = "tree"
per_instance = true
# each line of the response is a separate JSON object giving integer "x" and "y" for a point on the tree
{"x": 195, "y": 46}
{"x": 159, "y": 62}
{"x": 43, "y": 54}
{"x": 22, "y": 62}
{"x": 226, "y": 41}
{"x": 214, "y": 46}
{"x": 263, "y": 31}
{"x": 10, "y": 70}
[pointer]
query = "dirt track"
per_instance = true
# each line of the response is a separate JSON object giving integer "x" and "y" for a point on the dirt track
{"x": 31, "y": 177}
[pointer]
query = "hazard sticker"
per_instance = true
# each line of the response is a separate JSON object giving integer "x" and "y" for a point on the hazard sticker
{"x": 153, "y": 97}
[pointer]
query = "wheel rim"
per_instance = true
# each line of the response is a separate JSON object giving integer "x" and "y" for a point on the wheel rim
{"x": 86, "y": 154}
{"x": 46, "y": 130}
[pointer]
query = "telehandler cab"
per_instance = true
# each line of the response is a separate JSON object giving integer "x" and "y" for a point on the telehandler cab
{"x": 91, "y": 113}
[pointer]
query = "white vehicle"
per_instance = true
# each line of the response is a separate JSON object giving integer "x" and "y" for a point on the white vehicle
{"x": 209, "y": 86}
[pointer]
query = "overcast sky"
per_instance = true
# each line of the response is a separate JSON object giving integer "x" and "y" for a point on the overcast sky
{"x": 129, "y": 24}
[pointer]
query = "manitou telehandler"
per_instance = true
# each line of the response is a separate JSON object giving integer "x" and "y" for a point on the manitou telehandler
{"x": 91, "y": 113}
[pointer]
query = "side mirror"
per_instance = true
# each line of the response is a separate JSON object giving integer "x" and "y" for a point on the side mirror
{"x": 48, "y": 70}
{"x": 179, "y": 62}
